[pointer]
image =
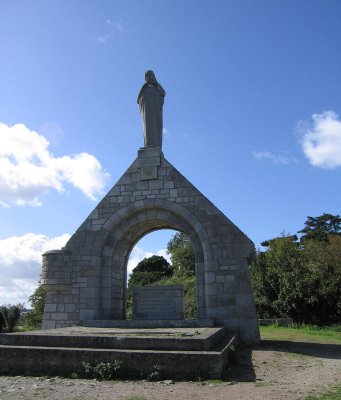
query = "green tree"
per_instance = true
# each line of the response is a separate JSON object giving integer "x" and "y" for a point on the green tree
{"x": 270, "y": 274}
{"x": 325, "y": 255}
{"x": 150, "y": 270}
{"x": 319, "y": 228}
{"x": 181, "y": 251}
{"x": 182, "y": 255}
{"x": 34, "y": 318}
{"x": 299, "y": 279}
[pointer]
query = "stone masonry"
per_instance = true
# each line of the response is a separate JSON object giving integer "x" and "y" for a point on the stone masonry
{"x": 86, "y": 280}
{"x": 158, "y": 302}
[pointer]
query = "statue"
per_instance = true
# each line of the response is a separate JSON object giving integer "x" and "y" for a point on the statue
{"x": 150, "y": 101}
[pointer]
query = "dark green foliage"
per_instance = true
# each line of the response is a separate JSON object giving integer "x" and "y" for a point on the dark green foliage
{"x": 11, "y": 313}
{"x": 34, "y": 318}
{"x": 150, "y": 270}
{"x": 182, "y": 254}
{"x": 102, "y": 370}
{"x": 319, "y": 228}
{"x": 155, "y": 374}
{"x": 300, "y": 279}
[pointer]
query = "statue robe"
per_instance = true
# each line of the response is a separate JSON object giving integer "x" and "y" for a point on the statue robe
{"x": 150, "y": 101}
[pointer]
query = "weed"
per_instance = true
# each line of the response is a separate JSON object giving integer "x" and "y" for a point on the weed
{"x": 102, "y": 370}
{"x": 155, "y": 375}
{"x": 134, "y": 398}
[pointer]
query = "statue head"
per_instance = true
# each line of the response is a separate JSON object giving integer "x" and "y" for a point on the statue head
{"x": 150, "y": 76}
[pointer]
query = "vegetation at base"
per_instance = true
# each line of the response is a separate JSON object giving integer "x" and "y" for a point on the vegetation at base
{"x": 302, "y": 333}
{"x": 301, "y": 278}
{"x": 102, "y": 370}
{"x": 334, "y": 394}
{"x": 156, "y": 270}
{"x": 155, "y": 374}
{"x": 11, "y": 313}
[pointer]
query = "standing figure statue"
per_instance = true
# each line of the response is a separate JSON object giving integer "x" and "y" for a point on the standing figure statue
{"x": 150, "y": 101}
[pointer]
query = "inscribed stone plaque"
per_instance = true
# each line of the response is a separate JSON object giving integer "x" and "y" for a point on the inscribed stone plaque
{"x": 158, "y": 302}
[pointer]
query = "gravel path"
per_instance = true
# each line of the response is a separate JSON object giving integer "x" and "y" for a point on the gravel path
{"x": 273, "y": 370}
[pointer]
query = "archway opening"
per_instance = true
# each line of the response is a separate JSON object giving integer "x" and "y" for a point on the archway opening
{"x": 125, "y": 230}
{"x": 163, "y": 257}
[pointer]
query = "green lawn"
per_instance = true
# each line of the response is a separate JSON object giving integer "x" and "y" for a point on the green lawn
{"x": 304, "y": 333}
{"x": 332, "y": 395}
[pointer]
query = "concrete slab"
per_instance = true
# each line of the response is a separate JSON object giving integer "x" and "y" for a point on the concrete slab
{"x": 119, "y": 338}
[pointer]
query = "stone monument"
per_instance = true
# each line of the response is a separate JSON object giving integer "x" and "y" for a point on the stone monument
{"x": 150, "y": 101}
{"x": 86, "y": 280}
{"x": 156, "y": 302}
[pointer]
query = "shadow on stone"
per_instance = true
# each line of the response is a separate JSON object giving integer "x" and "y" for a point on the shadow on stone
{"x": 242, "y": 369}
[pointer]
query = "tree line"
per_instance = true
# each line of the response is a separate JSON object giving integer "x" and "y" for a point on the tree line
{"x": 299, "y": 276}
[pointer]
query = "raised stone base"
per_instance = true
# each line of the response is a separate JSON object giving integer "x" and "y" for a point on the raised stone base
{"x": 150, "y": 323}
{"x": 185, "y": 353}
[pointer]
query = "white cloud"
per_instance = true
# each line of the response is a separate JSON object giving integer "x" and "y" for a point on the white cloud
{"x": 115, "y": 25}
{"x": 321, "y": 140}
{"x": 138, "y": 254}
{"x": 28, "y": 169}
{"x": 283, "y": 158}
{"x": 103, "y": 39}
{"x": 20, "y": 264}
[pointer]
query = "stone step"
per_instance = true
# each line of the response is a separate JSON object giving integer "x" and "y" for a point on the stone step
{"x": 189, "y": 339}
{"x": 174, "y": 353}
{"x": 63, "y": 361}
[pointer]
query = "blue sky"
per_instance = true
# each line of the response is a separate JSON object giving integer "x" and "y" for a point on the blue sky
{"x": 251, "y": 114}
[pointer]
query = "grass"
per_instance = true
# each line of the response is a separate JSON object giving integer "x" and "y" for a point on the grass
{"x": 332, "y": 395}
{"x": 302, "y": 333}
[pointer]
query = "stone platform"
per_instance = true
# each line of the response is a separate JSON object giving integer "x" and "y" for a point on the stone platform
{"x": 178, "y": 353}
{"x": 150, "y": 323}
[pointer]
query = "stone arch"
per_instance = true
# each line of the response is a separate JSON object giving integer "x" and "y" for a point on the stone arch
{"x": 85, "y": 281}
{"x": 125, "y": 229}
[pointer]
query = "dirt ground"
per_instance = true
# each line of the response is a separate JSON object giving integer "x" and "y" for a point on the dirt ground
{"x": 273, "y": 370}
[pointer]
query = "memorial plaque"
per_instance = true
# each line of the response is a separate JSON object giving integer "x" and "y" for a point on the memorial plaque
{"x": 158, "y": 302}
